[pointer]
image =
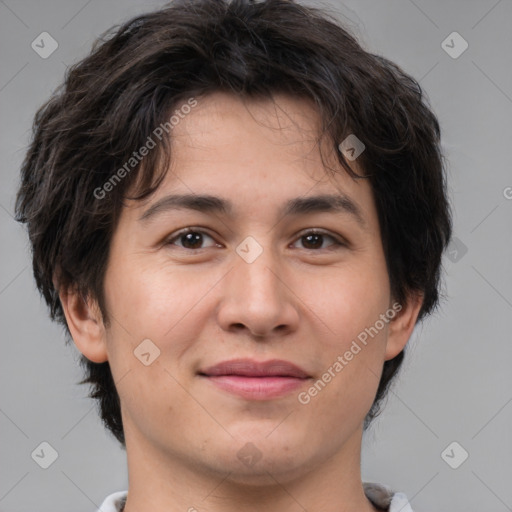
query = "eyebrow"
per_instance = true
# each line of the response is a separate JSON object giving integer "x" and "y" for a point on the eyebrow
{"x": 205, "y": 203}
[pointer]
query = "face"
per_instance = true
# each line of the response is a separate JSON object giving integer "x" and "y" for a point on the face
{"x": 272, "y": 275}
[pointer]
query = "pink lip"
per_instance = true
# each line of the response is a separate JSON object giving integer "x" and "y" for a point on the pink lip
{"x": 257, "y": 388}
{"x": 256, "y": 380}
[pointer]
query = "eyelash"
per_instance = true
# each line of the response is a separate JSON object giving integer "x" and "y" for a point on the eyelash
{"x": 313, "y": 231}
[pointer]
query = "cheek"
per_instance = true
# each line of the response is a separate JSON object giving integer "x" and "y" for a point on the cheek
{"x": 154, "y": 305}
{"x": 167, "y": 305}
{"x": 348, "y": 305}
{"x": 155, "y": 402}
{"x": 348, "y": 301}
{"x": 147, "y": 298}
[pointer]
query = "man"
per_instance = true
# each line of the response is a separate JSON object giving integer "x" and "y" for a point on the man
{"x": 239, "y": 215}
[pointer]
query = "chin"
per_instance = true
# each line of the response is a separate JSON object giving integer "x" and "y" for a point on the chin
{"x": 267, "y": 472}
{"x": 255, "y": 462}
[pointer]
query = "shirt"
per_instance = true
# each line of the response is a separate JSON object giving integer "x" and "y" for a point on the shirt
{"x": 380, "y": 495}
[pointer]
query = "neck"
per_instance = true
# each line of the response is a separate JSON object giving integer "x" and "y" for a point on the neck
{"x": 161, "y": 481}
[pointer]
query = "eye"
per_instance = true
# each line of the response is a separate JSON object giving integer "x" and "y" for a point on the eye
{"x": 190, "y": 238}
{"x": 193, "y": 239}
{"x": 314, "y": 239}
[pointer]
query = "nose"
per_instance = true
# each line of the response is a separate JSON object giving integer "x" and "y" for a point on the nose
{"x": 258, "y": 297}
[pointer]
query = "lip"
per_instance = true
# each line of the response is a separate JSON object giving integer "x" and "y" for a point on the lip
{"x": 256, "y": 380}
{"x": 253, "y": 368}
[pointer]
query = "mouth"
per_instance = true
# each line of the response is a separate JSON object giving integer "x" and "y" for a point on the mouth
{"x": 253, "y": 380}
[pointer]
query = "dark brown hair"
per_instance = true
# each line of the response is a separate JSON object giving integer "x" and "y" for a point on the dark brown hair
{"x": 136, "y": 74}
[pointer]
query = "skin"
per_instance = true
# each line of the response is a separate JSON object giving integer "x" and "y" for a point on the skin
{"x": 200, "y": 303}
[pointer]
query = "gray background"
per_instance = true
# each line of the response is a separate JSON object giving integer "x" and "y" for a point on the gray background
{"x": 456, "y": 384}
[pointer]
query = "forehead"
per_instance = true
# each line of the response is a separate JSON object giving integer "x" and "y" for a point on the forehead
{"x": 257, "y": 154}
{"x": 292, "y": 119}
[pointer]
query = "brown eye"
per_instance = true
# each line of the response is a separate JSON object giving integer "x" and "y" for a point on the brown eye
{"x": 189, "y": 238}
{"x": 314, "y": 240}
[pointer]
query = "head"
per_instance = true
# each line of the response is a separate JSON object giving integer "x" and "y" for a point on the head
{"x": 249, "y": 102}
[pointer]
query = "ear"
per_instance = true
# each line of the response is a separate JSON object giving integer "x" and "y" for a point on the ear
{"x": 85, "y": 324}
{"x": 402, "y": 325}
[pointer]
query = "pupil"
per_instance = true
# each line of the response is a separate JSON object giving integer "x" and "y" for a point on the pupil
{"x": 189, "y": 239}
{"x": 317, "y": 237}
